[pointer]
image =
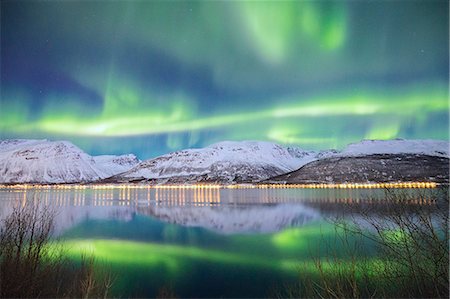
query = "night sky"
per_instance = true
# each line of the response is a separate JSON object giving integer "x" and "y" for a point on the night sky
{"x": 149, "y": 77}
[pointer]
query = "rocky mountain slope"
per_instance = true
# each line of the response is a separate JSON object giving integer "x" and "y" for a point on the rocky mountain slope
{"x": 224, "y": 162}
{"x": 111, "y": 165}
{"x": 378, "y": 161}
{"x": 43, "y": 161}
{"x": 436, "y": 148}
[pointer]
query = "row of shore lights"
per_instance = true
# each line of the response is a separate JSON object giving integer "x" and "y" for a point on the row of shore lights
{"x": 236, "y": 186}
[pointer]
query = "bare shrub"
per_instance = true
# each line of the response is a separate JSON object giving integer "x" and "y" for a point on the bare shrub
{"x": 33, "y": 265}
{"x": 410, "y": 237}
{"x": 412, "y": 240}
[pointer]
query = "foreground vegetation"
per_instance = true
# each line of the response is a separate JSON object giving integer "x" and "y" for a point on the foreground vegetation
{"x": 32, "y": 265}
{"x": 411, "y": 260}
{"x": 379, "y": 251}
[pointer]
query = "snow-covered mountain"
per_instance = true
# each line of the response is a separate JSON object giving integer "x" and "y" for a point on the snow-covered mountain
{"x": 372, "y": 161}
{"x": 111, "y": 165}
{"x": 43, "y": 161}
{"x": 437, "y": 148}
{"x": 224, "y": 162}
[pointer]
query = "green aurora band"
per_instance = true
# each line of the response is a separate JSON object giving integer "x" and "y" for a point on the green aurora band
{"x": 317, "y": 74}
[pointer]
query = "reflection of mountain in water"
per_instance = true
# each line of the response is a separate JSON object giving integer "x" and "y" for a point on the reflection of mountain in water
{"x": 257, "y": 219}
{"x": 220, "y": 210}
{"x": 70, "y": 216}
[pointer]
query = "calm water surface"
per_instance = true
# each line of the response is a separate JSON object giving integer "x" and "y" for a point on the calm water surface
{"x": 201, "y": 242}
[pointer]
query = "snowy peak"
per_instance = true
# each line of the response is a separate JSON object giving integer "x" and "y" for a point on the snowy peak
{"x": 111, "y": 165}
{"x": 251, "y": 161}
{"x": 257, "y": 152}
{"x": 223, "y": 162}
{"x": 43, "y": 161}
{"x": 398, "y": 146}
{"x": 372, "y": 161}
{"x": 10, "y": 144}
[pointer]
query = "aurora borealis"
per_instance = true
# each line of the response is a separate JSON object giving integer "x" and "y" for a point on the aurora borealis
{"x": 150, "y": 77}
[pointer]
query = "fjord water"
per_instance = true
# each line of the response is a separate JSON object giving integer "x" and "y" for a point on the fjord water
{"x": 200, "y": 242}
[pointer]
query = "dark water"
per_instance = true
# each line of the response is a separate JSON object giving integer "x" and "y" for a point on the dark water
{"x": 202, "y": 242}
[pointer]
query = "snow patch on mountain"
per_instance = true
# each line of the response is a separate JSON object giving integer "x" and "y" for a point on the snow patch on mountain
{"x": 111, "y": 165}
{"x": 43, "y": 161}
{"x": 224, "y": 161}
{"x": 10, "y": 144}
{"x": 397, "y": 146}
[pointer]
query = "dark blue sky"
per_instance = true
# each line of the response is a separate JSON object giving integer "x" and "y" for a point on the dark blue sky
{"x": 150, "y": 77}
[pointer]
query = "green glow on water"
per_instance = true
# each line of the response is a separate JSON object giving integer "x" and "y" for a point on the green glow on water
{"x": 172, "y": 257}
{"x": 171, "y": 245}
{"x": 143, "y": 253}
{"x": 298, "y": 239}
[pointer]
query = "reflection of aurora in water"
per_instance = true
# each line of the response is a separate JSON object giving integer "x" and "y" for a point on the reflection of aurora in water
{"x": 122, "y": 228}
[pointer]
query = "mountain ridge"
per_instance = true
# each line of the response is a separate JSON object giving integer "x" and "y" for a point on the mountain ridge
{"x": 372, "y": 168}
{"x": 44, "y": 161}
{"x": 223, "y": 162}
{"x": 226, "y": 162}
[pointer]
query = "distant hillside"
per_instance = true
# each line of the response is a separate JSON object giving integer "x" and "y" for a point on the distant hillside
{"x": 224, "y": 162}
{"x": 228, "y": 162}
{"x": 371, "y": 169}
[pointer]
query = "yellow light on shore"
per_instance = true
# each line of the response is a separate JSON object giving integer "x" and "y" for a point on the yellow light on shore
{"x": 396, "y": 185}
